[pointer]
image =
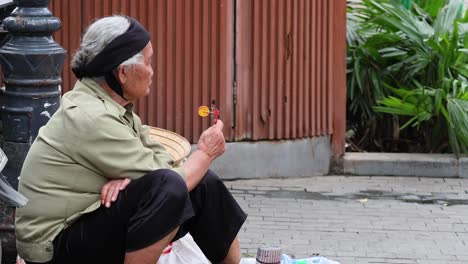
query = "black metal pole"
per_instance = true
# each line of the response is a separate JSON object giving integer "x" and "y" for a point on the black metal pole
{"x": 31, "y": 63}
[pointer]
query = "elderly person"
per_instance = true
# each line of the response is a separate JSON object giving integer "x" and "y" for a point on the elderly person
{"x": 100, "y": 191}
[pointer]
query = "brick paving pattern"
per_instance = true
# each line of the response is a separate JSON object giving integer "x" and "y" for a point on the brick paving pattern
{"x": 357, "y": 220}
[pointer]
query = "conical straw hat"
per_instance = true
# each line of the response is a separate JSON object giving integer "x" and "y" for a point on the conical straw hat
{"x": 177, "y": 146}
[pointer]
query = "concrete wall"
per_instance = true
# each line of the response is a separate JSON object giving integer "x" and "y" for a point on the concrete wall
{"x": 285, "y": 158}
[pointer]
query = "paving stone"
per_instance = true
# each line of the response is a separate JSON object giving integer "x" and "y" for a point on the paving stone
{"x": 346, "y": 227}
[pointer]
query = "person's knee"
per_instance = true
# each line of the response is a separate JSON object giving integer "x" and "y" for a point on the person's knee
{"x": 169, "y": 182}
{"x": 175, "y": 187}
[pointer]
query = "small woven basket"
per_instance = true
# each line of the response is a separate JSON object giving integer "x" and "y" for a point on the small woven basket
{"x": 177, "y": 146}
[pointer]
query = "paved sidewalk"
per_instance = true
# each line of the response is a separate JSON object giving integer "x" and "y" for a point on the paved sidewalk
{"x": 358, "y": 220}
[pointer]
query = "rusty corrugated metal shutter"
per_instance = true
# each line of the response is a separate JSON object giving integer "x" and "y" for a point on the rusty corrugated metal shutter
{"x": 289, "y": 63}
{"x": 284, "y": 58}
{"x": 193, "y": 43}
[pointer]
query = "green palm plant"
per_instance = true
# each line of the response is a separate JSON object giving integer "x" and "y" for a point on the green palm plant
{"x": 431, "y": 7}
{"x": 415, "y": 68}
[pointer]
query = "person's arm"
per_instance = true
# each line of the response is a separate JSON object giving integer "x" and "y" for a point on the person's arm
{"x": 210, "y": 146}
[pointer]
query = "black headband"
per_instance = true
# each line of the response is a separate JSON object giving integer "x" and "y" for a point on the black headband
{"x": 117, "y": 51}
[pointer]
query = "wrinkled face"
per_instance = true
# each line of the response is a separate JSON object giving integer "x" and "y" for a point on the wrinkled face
{"x": 136, "y": 79}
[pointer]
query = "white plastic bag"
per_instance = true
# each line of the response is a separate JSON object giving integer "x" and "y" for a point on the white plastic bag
{"x": 285, "y": 259}
{"x": 183, "y": 251}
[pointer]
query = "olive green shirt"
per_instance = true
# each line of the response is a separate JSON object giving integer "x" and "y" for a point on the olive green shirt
{"x": 90, "y": 140}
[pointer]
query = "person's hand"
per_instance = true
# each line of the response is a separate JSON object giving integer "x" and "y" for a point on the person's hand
{"x": 212, "y": 140}
{"x": 110, "y": 190}
{"x": 19, "y": 260}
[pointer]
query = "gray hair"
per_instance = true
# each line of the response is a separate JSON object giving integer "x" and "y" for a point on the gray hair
{"x": 98, "y": 35}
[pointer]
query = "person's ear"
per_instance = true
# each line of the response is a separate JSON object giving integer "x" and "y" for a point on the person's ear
{"x": 121, "y": 74}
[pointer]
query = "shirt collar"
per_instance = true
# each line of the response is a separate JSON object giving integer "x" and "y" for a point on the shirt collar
{"x": 91, "y": 86}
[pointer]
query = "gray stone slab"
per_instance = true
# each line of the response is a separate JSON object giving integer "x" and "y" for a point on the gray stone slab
{"x": 401, "y": 164}
{"x": 284, "y": 158}
{"x": 463, "y": 167}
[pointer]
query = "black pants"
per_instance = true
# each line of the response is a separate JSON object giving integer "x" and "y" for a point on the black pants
{"x": 148, "y": 210}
